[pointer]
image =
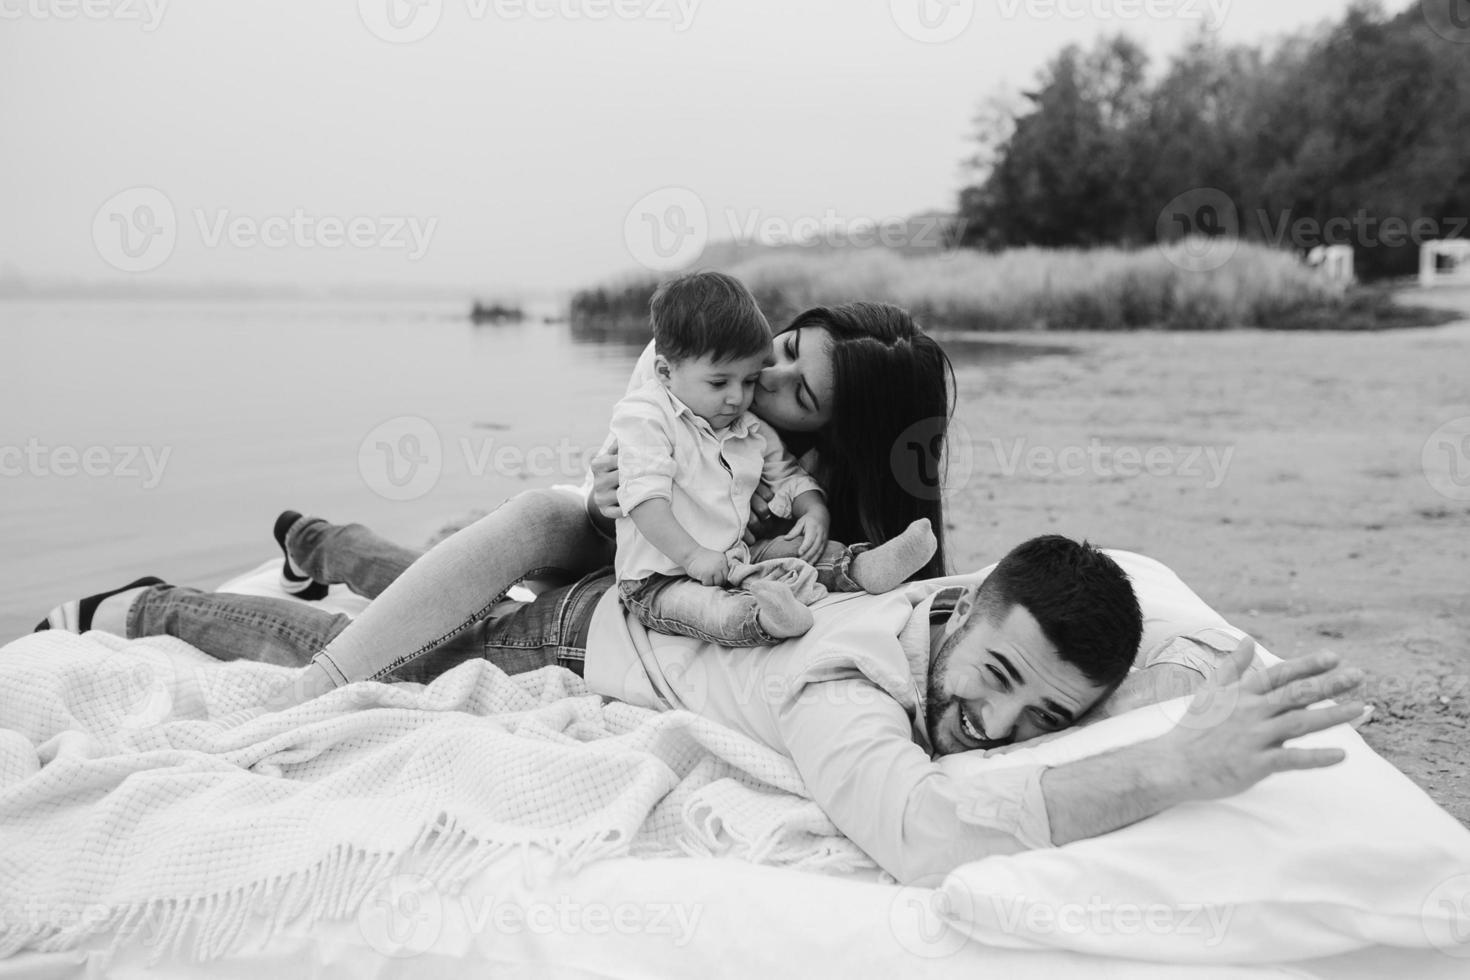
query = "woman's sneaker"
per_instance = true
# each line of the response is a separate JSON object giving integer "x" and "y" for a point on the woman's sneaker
{"x": 293, "y": 580}
{"x": 76, "y": 616}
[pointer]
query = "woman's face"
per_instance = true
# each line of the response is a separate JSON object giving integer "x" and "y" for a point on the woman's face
{"x": 795, "y": 393}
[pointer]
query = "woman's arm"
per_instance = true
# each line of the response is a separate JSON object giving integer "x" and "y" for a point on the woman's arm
{"x": 602, "y": 503}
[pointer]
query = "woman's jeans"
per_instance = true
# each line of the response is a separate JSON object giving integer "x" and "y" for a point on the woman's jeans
{"x": 429, "y": 612}
{"x": 448, "y": 589}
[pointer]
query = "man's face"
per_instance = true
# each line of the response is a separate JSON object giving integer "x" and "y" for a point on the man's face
{"x": 1000, "y": 682}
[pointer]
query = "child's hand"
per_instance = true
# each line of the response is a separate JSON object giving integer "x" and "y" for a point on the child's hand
{"x": 708, "y": 567}
{"x": 811, "y": 528}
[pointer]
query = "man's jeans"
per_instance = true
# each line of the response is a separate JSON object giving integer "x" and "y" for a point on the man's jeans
{"x": 551, "y": 630}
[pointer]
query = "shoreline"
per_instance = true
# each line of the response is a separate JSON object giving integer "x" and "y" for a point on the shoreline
{"x": 1322, "y": 531}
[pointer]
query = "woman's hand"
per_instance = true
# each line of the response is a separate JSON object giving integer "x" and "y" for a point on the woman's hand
{"x": 604, "y": 497}
{"x": 811, "y": 529}
{"x": 708, "y": 567}
{"x": 760, "y": 513}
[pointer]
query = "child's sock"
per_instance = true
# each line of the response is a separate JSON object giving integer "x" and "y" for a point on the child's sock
{"x": 781, "y": 614}
{"x": 889, "y": 565}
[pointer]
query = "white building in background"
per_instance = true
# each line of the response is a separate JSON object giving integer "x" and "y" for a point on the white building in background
{"x": 1456, "y": 250}
{"x": 1335, "y": 263}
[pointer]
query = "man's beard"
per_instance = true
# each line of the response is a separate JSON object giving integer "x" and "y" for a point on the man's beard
{"x": 936, "y": 700}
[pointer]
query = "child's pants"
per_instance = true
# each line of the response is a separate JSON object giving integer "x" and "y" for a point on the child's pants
{"x": 677, "y": 605}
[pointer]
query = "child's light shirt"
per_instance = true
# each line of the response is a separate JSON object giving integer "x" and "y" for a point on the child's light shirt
{"x": 666, "y": 451}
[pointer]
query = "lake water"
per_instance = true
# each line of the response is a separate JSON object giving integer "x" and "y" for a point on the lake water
{"x": 163, "y": 438}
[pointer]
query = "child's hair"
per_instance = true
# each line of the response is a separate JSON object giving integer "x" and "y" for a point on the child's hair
{"x": 707, "y": 314}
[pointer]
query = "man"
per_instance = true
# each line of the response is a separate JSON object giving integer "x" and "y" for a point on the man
{"x": 882, "y": 685}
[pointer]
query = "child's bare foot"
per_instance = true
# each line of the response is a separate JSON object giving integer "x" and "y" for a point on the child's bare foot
{"x": 781, "y": 614}
{"x": 889, "y": 565}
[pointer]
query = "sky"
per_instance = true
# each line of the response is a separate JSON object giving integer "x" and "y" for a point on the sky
{"x": 505, "y": 146}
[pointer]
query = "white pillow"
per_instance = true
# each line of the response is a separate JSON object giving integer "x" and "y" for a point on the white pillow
{"x": 1303, "y": 864}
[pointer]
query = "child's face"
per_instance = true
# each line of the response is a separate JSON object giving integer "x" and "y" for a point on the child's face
{"x": 717, "y": 392}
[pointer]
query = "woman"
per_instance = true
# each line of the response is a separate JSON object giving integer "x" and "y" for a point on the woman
{"x": 857, "y": 391}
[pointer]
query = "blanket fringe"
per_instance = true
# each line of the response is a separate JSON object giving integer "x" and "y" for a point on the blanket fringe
{"x": 207, "y": 927}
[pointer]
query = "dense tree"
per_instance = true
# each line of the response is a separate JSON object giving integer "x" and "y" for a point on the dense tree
{"x": 1350, "y": 134}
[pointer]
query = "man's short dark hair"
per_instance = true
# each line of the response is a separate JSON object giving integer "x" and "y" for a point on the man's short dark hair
{"x": 707, "y": 313}
{"x": 1080, "y": 597}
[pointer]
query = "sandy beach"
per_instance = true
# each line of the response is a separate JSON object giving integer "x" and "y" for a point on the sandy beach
{"x": 1280, "y": 474}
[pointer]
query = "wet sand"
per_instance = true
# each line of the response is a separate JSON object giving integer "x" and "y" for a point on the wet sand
{"x": 1286, "y": 485}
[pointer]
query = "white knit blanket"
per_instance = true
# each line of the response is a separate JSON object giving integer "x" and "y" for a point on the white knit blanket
{"x": 144, "y": 785}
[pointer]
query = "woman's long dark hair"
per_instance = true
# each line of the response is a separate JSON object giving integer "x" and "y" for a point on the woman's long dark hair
{"x": 881, "y": 456}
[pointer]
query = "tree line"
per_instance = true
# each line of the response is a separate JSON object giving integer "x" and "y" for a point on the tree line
{"x": 1357, "y": 133}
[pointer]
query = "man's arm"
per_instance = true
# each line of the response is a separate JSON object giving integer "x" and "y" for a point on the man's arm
{"x": 852, "y": 745}
{"x": 1181, "y": 666}
{"x": 1229, "y": 739}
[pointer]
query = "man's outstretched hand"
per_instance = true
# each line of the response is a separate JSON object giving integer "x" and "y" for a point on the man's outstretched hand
{"x": 1232, "y": 735}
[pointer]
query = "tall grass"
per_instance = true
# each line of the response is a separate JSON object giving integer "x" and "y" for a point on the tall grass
{"x": 1029, "y": 288}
